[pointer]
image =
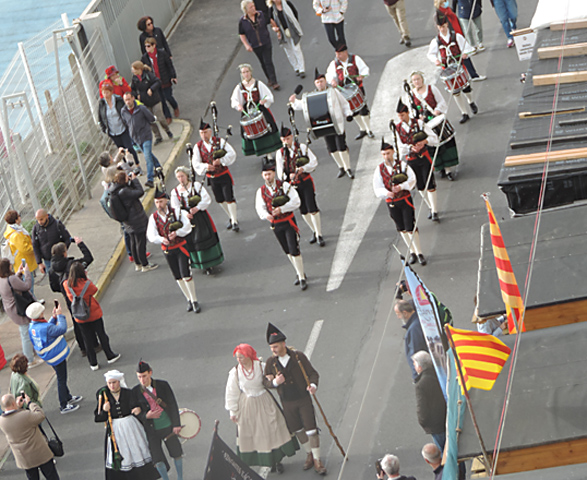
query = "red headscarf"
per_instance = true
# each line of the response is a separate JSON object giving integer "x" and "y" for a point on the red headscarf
{"x": 246, "y": 350}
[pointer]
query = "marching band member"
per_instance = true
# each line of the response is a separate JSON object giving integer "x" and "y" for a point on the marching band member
{"x": 281, "y": 217}
{"x": 247, "y": 97}
{"x": 336, "y": 144}
{"x": 168, "y": 227}
{"x": 203, "y": 243}
{"x": 392, "y": 181}
{"x": 446, "y": 49}
{"x": 212, "y": 157}
{"x": 348, "y": 68}
{"x": 408, "y": 126}
{"x": 286, "y": 160}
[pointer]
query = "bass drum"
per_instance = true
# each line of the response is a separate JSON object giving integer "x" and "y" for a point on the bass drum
{"x": 444, "y": 130}
{"x": 190, "y": 423}
{"x": 323, "y": 113}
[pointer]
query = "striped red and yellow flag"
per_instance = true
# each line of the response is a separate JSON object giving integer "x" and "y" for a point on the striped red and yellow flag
{"x": 482, "y": 357}
{"x": 507, "y": 280}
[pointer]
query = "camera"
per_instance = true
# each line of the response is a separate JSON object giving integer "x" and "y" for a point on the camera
{"x": 379, "y": 468}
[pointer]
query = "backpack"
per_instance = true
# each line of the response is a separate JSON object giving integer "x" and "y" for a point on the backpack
{"x": 104, "y": 203}
{"x": 115, "y": 206}
{"x": 6, "y": 250}
{"x": 80, "y": 310}
{"x": 54, "y": 280}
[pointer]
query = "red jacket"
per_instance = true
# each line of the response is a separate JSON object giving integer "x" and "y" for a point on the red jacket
{"x": 95, "y": 308}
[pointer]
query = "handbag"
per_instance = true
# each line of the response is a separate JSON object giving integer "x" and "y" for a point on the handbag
{"x": 55, "y": 444}
{"x": 22, "y": 300}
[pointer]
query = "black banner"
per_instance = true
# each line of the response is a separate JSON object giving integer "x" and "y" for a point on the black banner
{"x": 224, "y": 464}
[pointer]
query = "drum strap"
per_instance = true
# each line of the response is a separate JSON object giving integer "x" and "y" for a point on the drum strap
{"x": 158, "y": 401}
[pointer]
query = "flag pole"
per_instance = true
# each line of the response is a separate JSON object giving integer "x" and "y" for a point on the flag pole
{"x": 488, "y": 464}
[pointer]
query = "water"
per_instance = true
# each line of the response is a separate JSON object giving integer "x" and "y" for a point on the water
{"x": 21, "y": 19}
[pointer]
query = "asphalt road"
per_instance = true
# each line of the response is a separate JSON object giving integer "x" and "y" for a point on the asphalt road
{"x": 365, "y": 386}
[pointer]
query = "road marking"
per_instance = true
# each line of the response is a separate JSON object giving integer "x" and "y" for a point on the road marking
{"x": 362, "y": 204}
{"x": 264, "y": 471}
{"x": 314, "y": 334}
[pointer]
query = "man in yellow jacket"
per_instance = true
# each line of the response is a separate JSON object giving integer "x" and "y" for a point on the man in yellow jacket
{"x": 19, "y": 240}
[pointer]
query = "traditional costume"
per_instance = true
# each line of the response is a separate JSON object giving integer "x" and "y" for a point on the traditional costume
{"x": 263, "y": 437}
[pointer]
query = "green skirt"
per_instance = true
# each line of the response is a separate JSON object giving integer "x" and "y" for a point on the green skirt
{"x": 448, "y": 156}
{"x": 268, "y": 459}
{"x": 262, "y": 146}
{"x": 203, "y": 243}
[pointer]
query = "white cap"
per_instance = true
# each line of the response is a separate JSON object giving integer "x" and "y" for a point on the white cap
{"x": 35, "y": 310}
{"x": 116, "y": 375}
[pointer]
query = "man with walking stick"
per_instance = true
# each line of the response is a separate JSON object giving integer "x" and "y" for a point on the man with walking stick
{"x": 294, "y": 377}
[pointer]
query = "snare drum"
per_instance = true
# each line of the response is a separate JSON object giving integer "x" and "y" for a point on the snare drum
{"x": 190, "y": 423}
{"x": 455, "y": 79}
{"x": 444, "y": 130}
{"x": 254, "y": 126}
{"x": 323, "y": 114}
{"x": 352, "y": 94}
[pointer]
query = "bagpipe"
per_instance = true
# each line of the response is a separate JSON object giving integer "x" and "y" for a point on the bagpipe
{"x": 418, "y": 111}
{"x": 397, "y": 175}
{"x": 174, "y": 223}
{"x": 217, "y": 151}
{"x": 194, "y": 199}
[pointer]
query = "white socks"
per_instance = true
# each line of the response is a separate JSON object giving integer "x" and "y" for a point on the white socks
{"x": 317, "y": 223}
{"x": 224, "y": 206}
{"x": 232, "y": 212}
{"x": 432, "y": 201}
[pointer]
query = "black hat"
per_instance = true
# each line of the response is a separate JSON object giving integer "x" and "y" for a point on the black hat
{"x": 285, "y": 131}
{"x": 274, "y": 335}
{"x": 160, "y": 194}
{"x": 204, "y": 125}
{"x": 317, "y": 74}
{"x": 440, "y": 18}
{"x": 143, "y": 367}
{"x": 341, "y": 48}
{"x": 385, "y": 145}
{"x": 419, "y": 136}
{"x": 268, "y": 164}
{"x": 401, "y": 106}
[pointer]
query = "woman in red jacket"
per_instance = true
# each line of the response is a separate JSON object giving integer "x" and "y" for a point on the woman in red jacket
{"x": 94, "y": 325}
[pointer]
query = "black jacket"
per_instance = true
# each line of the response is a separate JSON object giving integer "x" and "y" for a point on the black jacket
{"x": 45, "y": 237}
{"x": 430, "y": 402}
{"x": 166, "y": 68}
{"x": 158, "y": 35}
{"x": 130, "y": 194}
{"x": 139, "y": 88}
{"x": 60, "y": 267}
{"x": 165, "y": 393}
{"x": 102, "y": 115}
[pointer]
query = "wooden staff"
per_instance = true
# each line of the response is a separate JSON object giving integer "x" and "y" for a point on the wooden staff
{"x": 116, "y": 456}
{"x": 321, "y": 411}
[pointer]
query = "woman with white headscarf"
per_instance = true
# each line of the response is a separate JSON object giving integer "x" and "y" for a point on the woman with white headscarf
{"x": 284, "y": 21}
{"x": 126, "y": 450}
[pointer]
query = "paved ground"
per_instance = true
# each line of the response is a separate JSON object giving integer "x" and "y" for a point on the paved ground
{"x": 365, "y": 385}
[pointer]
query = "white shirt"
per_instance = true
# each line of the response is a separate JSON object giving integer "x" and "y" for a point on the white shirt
{"x": 331, "y": 70}
{"x": 202, "y": 167}
{"x": 440, "y": 102}
{"x": 404, "y": 148}
{"x": 304, "y": 151}
{"x": 434, "y": 51}
{"x": 338, "y": 99}
{"x": 200, "y": 190}
{"x": 237, "y": 97}
{"x": 238, "y": 383}
{"x": 379, "y": 187}
{"x": 293, "y": 204}
{"x": 336, "y": 12}
{"x": 153, "y": 234}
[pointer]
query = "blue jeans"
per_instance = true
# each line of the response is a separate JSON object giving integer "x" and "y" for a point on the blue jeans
{"x": 151, "y": 159}
{"x": 62, "y": 390}
{"x": 507, "y": 12}
{"x": 27, "y": 345}
{"x": 166, "y": 98}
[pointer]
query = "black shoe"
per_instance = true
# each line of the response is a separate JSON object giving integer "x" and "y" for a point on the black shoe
{"x": 474, "y": 108}
{"x": 313, "y": 239}
{"x": 413, "y": 258}
{"x": 370, "y": 134}
{"x": 408, "y": 43}
{"x": 190, "y": 307}
{"x": 349, "y": 173}
{"x": 297, "y": 282}
{"x": 450, "y": 177}
{"x": 297, "y": 75}
{"x": 464, "y": 118}
{"x": 209, "y": 271}
{"x": 422, "y": 259}
{"x": 303, "y": 284}
{"x": 235, "y": 227}
{"x": 229, "y": 225}
{"x": 402, "y": 41}
{"x": 149, "y": 184}
{"x": 157, "y": 141}
{"x": 302, "y": 75}
{"x": 170, "y": 134}
{"x": 430, "y": 215}
{"x": 197, "y": 308}
{"x": 435, "y": 217}
{"x": 442, "y": 173}
{"x": 279, "y": 467}
{"x": 340, "y": 173}
{"x": 361, "y": 135}
{"x": 321, "y": 241}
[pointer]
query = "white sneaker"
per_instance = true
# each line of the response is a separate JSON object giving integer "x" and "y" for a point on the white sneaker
{"x": 114, "y": 359}
{"x": 481, "y": 47}
{"x": 94, "y": 367}
{"x": 149, "y": 267}
{"x": 138, "y": 268}
{"x": 480, "y": 78}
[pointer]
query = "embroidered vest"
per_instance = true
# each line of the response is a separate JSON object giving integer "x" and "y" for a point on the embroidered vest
{"x": 289, "y": 162}
{"x": 251, "y": 96}
{"x": 430, "y": 99}
{"x": 449, "y": 52}
{"x": 407, "y": 137}
{"x": 352, "y": 71}
{"x": 268, "y": 198}
{"x": 163, "y": 228}
{"x": 388, "y": 183}
{"x": 207, "y": 157}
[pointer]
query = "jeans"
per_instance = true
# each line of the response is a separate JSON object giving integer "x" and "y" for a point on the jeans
{"x": 27, "y": 345}
{"x": 48, "y": 469}
{"x": 89, "y": 331}
{"x": 124, "y": 140}
{"x": 126, "y": 240}
{"x": 335, "y": 33}
{"x": 473, "y": 30}
{"x": 168, "y": 97}
{"x": 507, "y": 12}
{"x": 62, "y": 390}
{"x": 151, "y": 159}
{"x": 263, "y": 53}
{"x": 470, "y": 68}
{"x": 398, "y": 14}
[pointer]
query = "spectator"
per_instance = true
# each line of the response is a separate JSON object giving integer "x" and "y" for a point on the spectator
{"x": 507, "y": 12}
{"x": 60, "y": 265}
{"x": 162, "y": 65}
{"x": 130, "y": 190}
{"x": 110, "y": 119}
{"x": 47, "y": 232}
{"x": 146, "y": 86}
{"x": 284, "y": 20}
{"x": 433, "y": 457}
{"x": 20, "y": 282}
{"x": 147, "y": 26}
{"x": 390, "y": 467}
{"x": 430, "y": 402}
{"x": 252, "y": 28}
{"x": 469, "y": 12}
{"x": 51, "y": 346}
{"x": 78, "y": 284}
{"x": 414, "y": 340}
{"x": 20, "y": 380}
{"x": 332, "y": 14}
{"x": 397, "y": 11}
{"x": 120, "y": 85}
{"x": 138, "y": 119}
{"x": 20, "y": 242}
{"x": 29, "y": 446}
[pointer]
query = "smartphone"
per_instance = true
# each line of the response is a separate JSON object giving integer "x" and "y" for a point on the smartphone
{"x": 56, "y": 302}
{"x": 23, "y": 262}
{"x": 378, "y": 467}
{"x": 22, "y": 394}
